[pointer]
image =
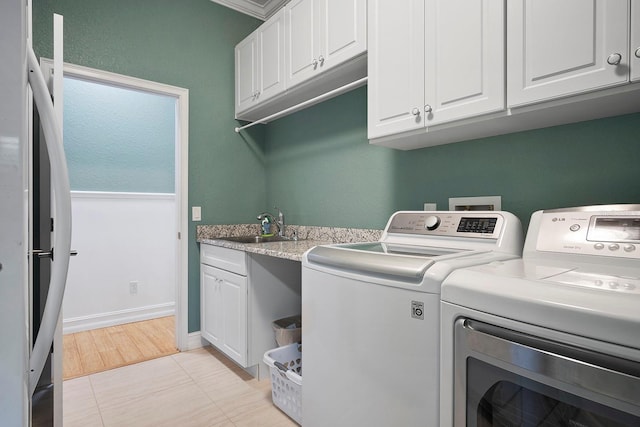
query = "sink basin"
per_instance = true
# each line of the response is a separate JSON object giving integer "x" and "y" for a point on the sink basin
{"x": 254, "y": 239}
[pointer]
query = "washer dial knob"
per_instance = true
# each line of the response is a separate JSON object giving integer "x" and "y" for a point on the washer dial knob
{"x": 432, "y": 222}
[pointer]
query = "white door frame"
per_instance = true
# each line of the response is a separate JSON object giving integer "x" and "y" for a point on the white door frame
{"x": 181, "y": 175}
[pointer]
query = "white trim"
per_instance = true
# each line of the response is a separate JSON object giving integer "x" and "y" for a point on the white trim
{"x": 195, "y": 340}
{"x": 182, "y": 176}
{"x": 251, "y": 8}
{"x": 103, "y": 320}
{"x": 127, "y": 196}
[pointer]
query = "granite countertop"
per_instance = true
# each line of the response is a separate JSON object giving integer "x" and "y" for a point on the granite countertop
{"x": 289, "y": 249}
{"x": 309, "y": 237}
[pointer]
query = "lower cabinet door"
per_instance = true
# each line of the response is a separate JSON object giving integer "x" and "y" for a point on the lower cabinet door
{"x": 224, "y": 312}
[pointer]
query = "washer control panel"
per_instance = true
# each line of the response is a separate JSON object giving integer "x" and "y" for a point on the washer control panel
{"x": 614, "y": 233}
{"x": 485, "y": 225}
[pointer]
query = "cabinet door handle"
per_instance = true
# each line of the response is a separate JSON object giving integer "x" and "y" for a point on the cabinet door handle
{"x": 614, "y": 59}
{"x": 314, "y": 63}
{"x": 321, "y": 59}
{"x": 415, "y": 111}
{"x": 637, "y": 53}
{"x": 427, "y": 108}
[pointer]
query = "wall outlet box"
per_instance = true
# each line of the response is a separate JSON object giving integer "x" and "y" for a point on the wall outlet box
{"x": 484, "y": 203}
{"x": 196, "y": 213}
{"x": 133, "y": 288}
{"x": 430, "y": 206}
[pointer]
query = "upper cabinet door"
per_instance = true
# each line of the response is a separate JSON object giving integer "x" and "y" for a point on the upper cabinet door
{"x": 465, "y": 57}
{"x": 396, "y": 66}
{"x": 559, "y": 48}
{"x": 301, "y": 41}
{"x": 635, "y": 40}
{"x": 271, "y": 57}
{"x": 341, "y": 31}
{"x": 246, "y": 53}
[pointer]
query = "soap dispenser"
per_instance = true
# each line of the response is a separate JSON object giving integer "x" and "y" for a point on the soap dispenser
{"x": 265, "y": 226}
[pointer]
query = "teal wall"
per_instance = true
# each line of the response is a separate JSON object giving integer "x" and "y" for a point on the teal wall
{"x": 322, "y": 171}
{"x": 118, "y": 139}
{"x": 185, "y": 43}
{"x": 317, "y": 164}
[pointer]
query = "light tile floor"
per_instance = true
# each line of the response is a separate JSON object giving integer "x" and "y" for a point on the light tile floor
{"x": 198, "y": 388}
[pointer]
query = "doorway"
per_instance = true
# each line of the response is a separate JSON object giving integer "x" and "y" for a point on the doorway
{"x": 130, "y": 201}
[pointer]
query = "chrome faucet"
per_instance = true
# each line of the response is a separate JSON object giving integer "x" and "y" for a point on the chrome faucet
{"x": 280, "y": 222}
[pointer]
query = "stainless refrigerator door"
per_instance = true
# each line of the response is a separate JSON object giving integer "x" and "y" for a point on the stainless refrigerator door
{"x": 41, "y": 225}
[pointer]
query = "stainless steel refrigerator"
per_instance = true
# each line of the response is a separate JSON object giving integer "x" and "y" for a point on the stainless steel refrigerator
{"x": 32, "y": 277}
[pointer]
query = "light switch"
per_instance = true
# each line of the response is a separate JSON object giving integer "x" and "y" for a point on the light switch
{"x": 196, "y": 213}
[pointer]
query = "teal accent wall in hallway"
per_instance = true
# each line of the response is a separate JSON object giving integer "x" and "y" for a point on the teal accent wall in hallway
{"x": 118, "y": 139}
{"x": 322, "y": 171}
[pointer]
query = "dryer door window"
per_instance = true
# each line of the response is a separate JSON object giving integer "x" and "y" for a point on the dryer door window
{"x": 496, "y": 397}
{"x": 507, "y": 378}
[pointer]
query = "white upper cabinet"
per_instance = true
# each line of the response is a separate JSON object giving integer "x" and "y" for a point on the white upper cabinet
{"x": 560, "y": 48}
{"x": 395, "y": 66}
{"x": 271, "y": 58}
{"x": 433, "y": 62}
{"x": 302, "y": 45}
{"x": 342, "y": 31}
{"x": 246, "y": 72}
{"x": 304, "y": 40}
{"x": 322, "y": 34}
{"x": 260, "y": 62}
{"x": 464, "y": 67}
{"x": 635, "y": 40}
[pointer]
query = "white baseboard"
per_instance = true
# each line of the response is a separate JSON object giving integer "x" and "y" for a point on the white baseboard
{"x": 195, "y": 340}
{"x": 103, "y": 320}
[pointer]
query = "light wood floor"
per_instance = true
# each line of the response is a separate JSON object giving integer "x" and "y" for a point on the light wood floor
{"x": 102, "y": 349}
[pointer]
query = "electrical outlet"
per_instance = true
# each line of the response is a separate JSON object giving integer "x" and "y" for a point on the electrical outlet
{"x": 133, "y": 288}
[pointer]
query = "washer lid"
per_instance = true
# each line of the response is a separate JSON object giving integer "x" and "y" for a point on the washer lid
{"x": 403, "y": 262}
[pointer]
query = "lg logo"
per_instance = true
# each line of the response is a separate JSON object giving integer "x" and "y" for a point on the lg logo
{"x": 417, "y": 310}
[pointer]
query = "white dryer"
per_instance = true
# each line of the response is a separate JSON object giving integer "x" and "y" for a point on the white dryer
{"x": 370, "y": 315}
{"x": 551, "y": 339}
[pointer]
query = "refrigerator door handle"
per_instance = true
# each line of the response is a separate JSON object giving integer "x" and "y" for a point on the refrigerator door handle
{"x": 40, "y": 253}
{"x": 62, "y": 212}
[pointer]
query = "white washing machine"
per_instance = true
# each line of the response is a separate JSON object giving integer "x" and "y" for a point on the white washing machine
{"x": 552, "y": 339}
{"x": 370, "y": 315}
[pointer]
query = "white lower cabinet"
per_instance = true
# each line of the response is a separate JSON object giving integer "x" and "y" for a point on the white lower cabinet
{"x": 241, "y": 294}
{"x": 224, "y": 312}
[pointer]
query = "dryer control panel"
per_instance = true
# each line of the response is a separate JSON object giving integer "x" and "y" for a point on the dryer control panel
{"x": 611, "y": 231}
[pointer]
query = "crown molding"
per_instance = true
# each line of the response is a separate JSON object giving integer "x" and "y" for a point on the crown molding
{"x": 262, "y": 9}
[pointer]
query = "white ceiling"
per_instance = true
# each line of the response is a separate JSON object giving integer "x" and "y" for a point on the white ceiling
{"x": 261, "y": 9}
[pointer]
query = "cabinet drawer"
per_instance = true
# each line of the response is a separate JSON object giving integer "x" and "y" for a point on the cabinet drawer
{"x": 226, "y": 259}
